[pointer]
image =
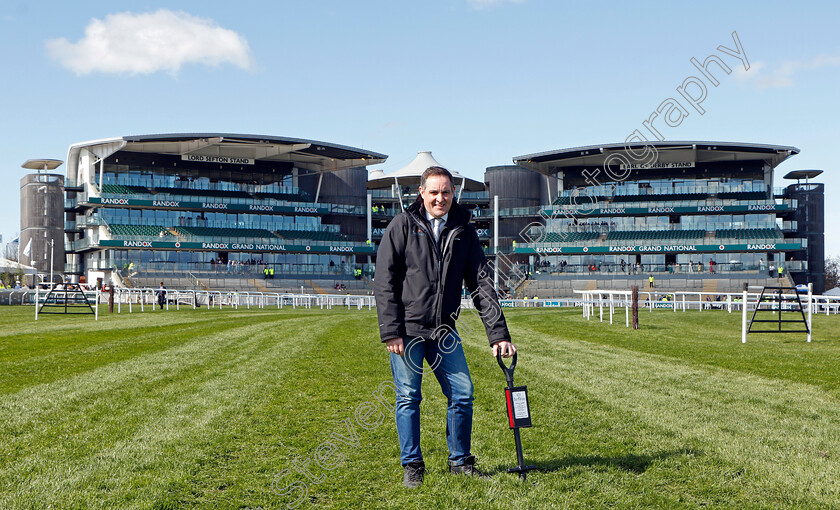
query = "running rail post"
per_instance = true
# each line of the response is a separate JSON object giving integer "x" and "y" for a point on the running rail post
{"x": 744, "y": 319}
{"x": 810, "y": 309}
{"x": 627, "y": 313}
{"x": 601, "y": 306}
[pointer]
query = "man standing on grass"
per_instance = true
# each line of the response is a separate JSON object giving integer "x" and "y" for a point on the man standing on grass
{"x": 427, "y": 253}
{"x": 161, "y": 296}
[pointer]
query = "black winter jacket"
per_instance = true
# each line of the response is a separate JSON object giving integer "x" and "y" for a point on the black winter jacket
{"x": 418, "y": 282}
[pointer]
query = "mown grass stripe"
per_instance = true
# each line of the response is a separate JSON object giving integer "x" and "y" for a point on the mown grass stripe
{"x": 117, "y": 401}
{"x": 624, "y": 420}
{"x": 782, "y": 430}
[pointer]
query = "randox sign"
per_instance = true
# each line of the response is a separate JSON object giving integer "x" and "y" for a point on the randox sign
{"x": 584, "y": 203}
{"x": 232, "y": 246}
{"x": 210, "y": 206}
{"x": 547, "y": 248}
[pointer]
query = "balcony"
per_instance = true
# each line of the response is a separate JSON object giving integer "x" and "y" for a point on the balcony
{"x": 506, "y": 213}
{"x": 385, "y": 212}
{"x": 89, "y": 221}
{"x": 475, "y": 196}
{"x": 101, "y": 265}
{"x": 796, "y": 266}
{"x": 76, "y": 204}
{"x": 241, "y": 200}
{"x": 79, "y": 245}
{"x": 72, "y": 227}
{"x": 788, "y": 226}
{"x": 73, "y": 268}
{"x": 382, "y": 194}
{"x": 230, "y": 236}
{"x": 73, "y": 185}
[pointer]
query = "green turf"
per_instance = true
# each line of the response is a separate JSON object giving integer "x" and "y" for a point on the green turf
{"x": 224, "y": 409}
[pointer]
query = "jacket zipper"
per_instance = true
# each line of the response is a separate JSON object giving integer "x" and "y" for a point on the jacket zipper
{"x": 441, "y": 255}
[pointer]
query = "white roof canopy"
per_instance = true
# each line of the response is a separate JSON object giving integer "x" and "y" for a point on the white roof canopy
{"x": 10, "y": 266}
{"x": 410, "y": 174}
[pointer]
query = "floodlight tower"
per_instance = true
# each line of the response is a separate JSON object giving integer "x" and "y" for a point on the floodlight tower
{"x": 42, "y": 217}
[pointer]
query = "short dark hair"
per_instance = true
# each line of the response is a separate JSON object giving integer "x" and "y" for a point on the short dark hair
{"x": 435, "y": 170}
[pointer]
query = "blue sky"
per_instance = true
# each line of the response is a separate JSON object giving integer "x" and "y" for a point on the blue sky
{"x": 476, "y": 82}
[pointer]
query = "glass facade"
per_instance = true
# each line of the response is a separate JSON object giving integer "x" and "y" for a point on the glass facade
{"x": 170, "y": 218}
{"x": 187, "y": 178}
{"x": 671, "y": 186}
{"x": 245, "y": 263}
{"x": 682, "y": 222}
{"x": 672, "y": 224}
{"x": 126, "y": 212}
{"x": 660, "y": 262}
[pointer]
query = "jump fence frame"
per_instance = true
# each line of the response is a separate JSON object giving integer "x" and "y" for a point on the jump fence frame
{"x": 60, "y": 298}
{"x": 675, "y": 301}
{"x": 779, "y": 301}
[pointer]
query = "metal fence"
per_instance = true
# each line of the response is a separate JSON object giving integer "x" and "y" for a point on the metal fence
{"x": 132, "y": 299}
{"x": 146, "y": 299}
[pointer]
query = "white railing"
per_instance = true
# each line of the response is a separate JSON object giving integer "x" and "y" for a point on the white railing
{"x": 687, "y": 300}
{"x": 148, "y": 298}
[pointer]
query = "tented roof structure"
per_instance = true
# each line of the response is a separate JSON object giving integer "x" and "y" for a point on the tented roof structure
{"x": 10, "y": 266}
{"x": 409, "y": 175}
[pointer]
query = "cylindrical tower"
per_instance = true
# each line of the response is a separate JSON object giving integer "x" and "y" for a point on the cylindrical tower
{"x": 42, "y": 218}
{"x": 346, "y": 187}
{"x": 516, "y": 187}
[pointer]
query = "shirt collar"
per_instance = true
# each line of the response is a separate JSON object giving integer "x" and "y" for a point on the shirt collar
{"x": 432, "y": 218}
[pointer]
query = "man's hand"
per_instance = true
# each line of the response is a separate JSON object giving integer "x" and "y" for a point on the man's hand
{"x": 395, "y": 345}
{"x": 506, "y": 348}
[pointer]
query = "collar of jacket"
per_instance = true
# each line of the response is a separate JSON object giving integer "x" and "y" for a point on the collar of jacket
{"x": 458, "y": 215}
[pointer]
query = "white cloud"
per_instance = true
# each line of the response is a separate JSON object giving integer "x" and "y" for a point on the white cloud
{"x": 781, "y": 76}
{"x": 481, "y": 4}
{"x": 150, "y": 42}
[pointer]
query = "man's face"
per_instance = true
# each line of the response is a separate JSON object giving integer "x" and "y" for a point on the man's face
{"x": 437, "y": 195}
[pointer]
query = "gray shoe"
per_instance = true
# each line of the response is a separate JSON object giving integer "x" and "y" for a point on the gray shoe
{"x": 413, "y": 474}
{"x": 467, "y": 468}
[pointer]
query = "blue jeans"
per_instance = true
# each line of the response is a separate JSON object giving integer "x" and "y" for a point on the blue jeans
{"x": 446, "y": 360}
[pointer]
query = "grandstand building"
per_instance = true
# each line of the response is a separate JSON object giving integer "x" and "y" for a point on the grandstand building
{"x": 216, "y": 210}
{"x": 701, "y": 216}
